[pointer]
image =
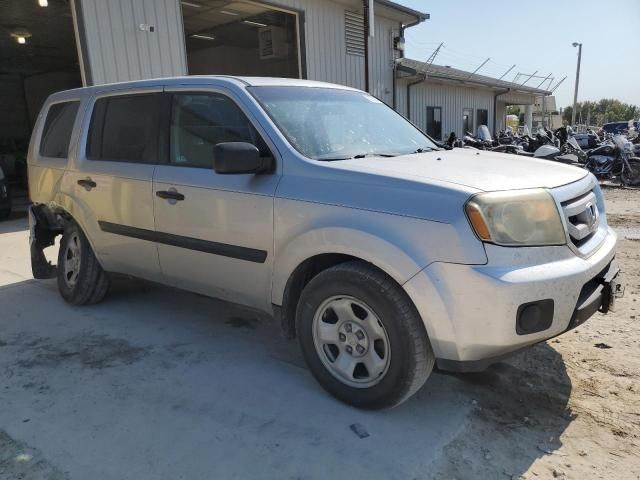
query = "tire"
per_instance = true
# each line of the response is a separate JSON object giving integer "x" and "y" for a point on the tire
{"x": 632, "y": 178}
{"x": 5, "y": 213}
{"x": 356, "y": 306}
{"x": 81, "y": 279}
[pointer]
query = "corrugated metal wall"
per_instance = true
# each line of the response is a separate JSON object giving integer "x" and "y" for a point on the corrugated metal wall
{"x": 326, "y": 50}
{"x": 116, "y": 49}
{"x": 382, "y": 57}
{"x": 452, "y": 99}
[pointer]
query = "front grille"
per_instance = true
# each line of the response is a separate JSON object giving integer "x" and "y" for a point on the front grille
{"x": 583, "y": 218}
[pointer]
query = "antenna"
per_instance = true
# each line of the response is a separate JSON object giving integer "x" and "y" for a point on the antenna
{"x": 433, "y": 56}
{"x": 557, "y": 85}
{"x": 529, "y": 78}
{"x": 505, "y": 73}
{"x": 547, "y": 78}
{"x": 481, "y": 65}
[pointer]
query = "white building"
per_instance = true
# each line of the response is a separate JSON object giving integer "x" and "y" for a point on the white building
{"x": 441, "y": 99}
{"x": 84, "y": 42}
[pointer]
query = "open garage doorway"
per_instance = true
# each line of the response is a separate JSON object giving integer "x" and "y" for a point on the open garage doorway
{"x": 38, "y": 57}
{"x": 241, "y": 38}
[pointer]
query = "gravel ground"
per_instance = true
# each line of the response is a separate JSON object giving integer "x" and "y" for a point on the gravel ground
{"x": 155, "y": 383}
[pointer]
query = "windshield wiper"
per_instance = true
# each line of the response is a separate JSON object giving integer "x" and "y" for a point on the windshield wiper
{"x": 359, "y": 155}
{"x": 422, "y": 150}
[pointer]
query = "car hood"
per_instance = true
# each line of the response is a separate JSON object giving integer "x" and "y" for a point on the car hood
{"x": 476, "y": 169}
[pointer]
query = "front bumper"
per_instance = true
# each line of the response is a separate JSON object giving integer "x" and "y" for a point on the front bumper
{"x": 470, "y": 311}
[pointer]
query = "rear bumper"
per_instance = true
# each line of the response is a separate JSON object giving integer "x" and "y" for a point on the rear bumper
{"x": 471, "y": 313}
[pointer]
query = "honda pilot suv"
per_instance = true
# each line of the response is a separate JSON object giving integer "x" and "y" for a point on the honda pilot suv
{"x": 382, "y": 253}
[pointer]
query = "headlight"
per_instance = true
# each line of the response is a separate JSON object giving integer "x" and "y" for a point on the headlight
{"x": 516, "y": 218}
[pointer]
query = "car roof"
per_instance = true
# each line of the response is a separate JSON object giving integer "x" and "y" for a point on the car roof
{"x": 219, "y": 80}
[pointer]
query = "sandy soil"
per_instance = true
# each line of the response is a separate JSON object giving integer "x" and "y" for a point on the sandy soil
{"x": 570, "y": 407}
{"x": 155, "y": 383}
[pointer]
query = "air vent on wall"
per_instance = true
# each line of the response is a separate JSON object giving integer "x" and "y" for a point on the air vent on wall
{"x": 273, "y": 43}
{"x": 354, "y": 33}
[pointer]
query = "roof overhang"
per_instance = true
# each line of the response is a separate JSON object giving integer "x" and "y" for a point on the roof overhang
{"x": 402, "y": 14}
{"x": 437, "y": 73}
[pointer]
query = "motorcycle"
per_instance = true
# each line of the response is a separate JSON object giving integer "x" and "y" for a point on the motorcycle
{"x": 615, "y": 159}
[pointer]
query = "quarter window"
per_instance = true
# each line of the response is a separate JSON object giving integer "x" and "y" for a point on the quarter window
{"x": 56, "y": 134}
{"x": 199, "y": 121}
{"x": 125, "y": 129}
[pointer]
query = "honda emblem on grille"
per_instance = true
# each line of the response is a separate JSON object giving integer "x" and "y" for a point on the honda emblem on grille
{"x": 592, "y": 215}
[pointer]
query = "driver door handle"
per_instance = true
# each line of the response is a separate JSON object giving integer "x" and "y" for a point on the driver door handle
{"x": 170, "y": 195}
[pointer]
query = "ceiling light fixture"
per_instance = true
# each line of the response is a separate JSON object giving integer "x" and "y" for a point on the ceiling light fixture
{"x": 255, "y": 24}
{"x": 191, "y": 4}
{"x": 227, "y": 12}
{"x": 203, "y": 37}
{"x": 21, "y": 36}
{"x": 43, "y": 3}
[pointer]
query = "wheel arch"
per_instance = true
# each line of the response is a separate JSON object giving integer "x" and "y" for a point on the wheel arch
{"x": 47, "y": 221}
{"x": 311, "y": 253}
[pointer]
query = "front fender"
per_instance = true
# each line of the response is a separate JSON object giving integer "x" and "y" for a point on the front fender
{"x": 400, "y": 246}
{"x": 337, "y": 240}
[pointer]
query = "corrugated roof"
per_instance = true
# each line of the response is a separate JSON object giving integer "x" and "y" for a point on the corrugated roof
{"x": 449, "y": 73}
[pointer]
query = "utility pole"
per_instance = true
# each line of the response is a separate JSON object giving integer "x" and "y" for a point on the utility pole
{"x": 575, "y": 93}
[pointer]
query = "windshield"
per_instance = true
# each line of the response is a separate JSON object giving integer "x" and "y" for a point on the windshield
{"x": 334, "y": 124}
{"x": 484, "y": 133}
{"x": 574, "y": 143}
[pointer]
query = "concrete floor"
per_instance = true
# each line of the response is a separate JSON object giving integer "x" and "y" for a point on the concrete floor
{"x": 156, "y": 383}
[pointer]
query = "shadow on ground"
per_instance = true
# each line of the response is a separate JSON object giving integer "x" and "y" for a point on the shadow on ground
{"x": 159, "y": 383}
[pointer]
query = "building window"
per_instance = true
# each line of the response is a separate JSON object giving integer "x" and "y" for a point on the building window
{"x": 482, "y": 117}
{"x": 467, "y": 120}
{"x": 56, "y": 133}
{"x": 354, "y": 33}
{"x": 434, "y": 122}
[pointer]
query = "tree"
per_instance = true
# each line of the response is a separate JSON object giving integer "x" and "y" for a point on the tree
{"x": 602, "y": 111}
{"x": 513, "y": 110}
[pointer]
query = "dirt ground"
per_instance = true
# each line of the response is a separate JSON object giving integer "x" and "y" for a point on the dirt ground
{"x": 155, "y": 383}
{"x": 575, "y": 398}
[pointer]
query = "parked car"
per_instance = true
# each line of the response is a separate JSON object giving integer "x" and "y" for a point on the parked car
{"x": 617, "y": 128}
{"x": 381, "y": 252}
{"x": 5, "y": 198}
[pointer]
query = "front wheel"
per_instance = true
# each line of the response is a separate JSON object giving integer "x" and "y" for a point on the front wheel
{"x": 631, "y": 175}
{"x": 362, "y": 337}
{"x": 81, "y": 279}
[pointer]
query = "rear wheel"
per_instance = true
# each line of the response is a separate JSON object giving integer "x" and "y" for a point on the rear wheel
{"x": 631, "y": 176}
{"x": 362, "y": 337}
{"x": 81, "y": 279}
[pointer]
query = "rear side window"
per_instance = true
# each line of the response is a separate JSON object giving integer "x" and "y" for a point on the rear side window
{"x": 56, "y": 134}
{"x": 125, "y": 129}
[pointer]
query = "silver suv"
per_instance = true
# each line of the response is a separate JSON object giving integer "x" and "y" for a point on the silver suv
{"x": 383, "y": 253}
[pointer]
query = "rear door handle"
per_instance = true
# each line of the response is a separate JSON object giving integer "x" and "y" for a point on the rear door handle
{"x": 170, "y": 195}
{"x": 87, "y": 183}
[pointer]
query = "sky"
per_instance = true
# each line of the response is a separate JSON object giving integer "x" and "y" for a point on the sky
{"x": 537, "y": 36}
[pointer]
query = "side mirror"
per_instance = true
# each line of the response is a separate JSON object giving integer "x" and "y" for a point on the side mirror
{"x": 238, "y": 158}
